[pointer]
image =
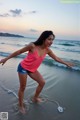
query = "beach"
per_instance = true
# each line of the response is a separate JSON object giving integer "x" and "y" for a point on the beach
{"x": 62, "y": 85}
{"x": 62, "y": 88}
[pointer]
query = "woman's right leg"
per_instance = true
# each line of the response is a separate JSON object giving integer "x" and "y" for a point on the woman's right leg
{"x": 22, "y": 79}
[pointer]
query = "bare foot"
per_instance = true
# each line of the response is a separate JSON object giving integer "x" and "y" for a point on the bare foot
{"x": 37, "y": 100}
{"x": 22, "y": 110}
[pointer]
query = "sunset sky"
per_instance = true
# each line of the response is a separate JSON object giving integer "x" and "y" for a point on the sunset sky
{"x": 31, "y": 17}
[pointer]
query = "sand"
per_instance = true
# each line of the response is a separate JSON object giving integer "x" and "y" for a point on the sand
{"x": 62, "y": 85}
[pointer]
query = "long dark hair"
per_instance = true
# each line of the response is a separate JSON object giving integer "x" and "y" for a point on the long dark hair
{"x": 43, "y": 37}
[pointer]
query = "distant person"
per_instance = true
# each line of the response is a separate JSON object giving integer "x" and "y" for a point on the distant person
{"x": 28, "y": 66}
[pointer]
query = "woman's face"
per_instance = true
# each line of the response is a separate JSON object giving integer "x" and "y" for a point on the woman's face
{"x": 48, "y": 42}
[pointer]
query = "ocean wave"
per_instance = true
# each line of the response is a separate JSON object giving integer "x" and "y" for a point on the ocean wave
{"x": 77, "y": 50}
{"x": 68, "y": 50}
{"x": 7, "y": 54}
{"x": 68, "y": 44}
{"x": 51, "y": 62}
{"x": 12, "y": 44}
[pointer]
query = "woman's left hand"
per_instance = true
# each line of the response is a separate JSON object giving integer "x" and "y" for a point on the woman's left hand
{"x": 70, "y": 65}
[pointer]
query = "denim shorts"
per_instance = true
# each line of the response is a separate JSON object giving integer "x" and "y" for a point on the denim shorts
{"x": 21, "y": 70}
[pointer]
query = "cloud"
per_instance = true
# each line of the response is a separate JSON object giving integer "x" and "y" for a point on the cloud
{"x": 32, "y": 12}
{"x": 4, "y": 15}
{"x": 16, "y": 12}
{"x": 33, "y": 30}
{"x": 12, "y": 13}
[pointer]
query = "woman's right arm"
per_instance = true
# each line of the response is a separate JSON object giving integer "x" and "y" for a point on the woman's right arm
{"x": 18, "y": 52}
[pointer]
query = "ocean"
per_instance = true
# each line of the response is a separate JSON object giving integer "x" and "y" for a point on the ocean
{"x": 68, "y": 50}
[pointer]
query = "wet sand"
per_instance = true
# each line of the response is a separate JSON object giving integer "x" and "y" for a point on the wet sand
{"x": 62, "y": 85}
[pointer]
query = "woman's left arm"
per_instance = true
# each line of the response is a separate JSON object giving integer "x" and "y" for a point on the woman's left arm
{"x": 52, "y": 55}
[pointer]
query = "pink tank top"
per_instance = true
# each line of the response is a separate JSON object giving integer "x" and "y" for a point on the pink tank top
{"x": 32, "y": 61}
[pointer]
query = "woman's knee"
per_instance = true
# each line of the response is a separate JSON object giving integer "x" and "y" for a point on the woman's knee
{"x": 42, "y": 83}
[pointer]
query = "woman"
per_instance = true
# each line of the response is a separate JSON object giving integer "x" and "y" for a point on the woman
{"x": 29, "y": 65}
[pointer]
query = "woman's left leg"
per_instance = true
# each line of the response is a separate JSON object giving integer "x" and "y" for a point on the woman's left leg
{"x": 39, "y": 79}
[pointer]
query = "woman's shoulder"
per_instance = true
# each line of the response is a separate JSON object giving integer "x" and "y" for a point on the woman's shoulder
{"x": 48, "y": 50}
{"x": 32, "y": 45}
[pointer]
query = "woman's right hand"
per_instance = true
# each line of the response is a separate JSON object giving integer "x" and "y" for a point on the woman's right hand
{"x": 3, "y": 61}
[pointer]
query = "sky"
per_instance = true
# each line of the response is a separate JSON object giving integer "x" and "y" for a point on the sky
{"x": 32, "y": 17}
